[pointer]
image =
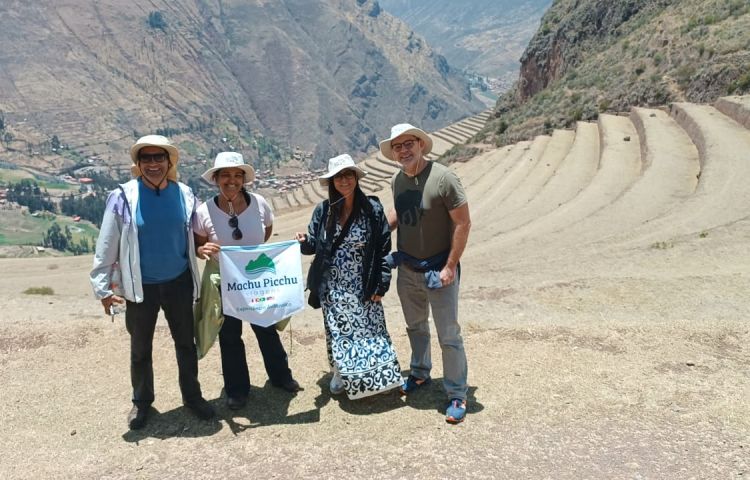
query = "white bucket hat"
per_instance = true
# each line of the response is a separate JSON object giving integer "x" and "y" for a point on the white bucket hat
{"x": 229, "y": 160}
{"x": 337, "y": 164}
{"x": 155, "y": 141}
{"x": 405, "y": 129}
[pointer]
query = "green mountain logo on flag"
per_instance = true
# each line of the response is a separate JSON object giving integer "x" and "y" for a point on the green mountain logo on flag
{"x": 262, "y": 264}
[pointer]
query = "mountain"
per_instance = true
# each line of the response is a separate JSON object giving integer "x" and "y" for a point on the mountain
{"x": 483, "y": 36}
{"x": 84, "y": 77}
{"x": 592, "y": 56}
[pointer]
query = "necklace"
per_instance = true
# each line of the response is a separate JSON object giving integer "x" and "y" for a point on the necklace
{"x": 230, "y": 207}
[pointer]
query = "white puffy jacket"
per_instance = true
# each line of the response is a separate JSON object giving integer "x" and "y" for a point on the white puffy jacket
{"x": 117, "y": 245}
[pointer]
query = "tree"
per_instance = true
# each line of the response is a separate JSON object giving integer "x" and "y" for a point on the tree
{"x": 55, "y": 143}
{"x": 55, "y": 238}
{"x": 27, "y": 193}
{"x": 7, "y": 138}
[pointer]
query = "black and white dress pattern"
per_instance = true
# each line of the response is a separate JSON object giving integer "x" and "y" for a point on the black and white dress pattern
{"x": 356, "y": 336}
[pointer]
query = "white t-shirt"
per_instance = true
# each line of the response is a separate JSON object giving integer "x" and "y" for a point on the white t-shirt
{"x": 212, "y": 222}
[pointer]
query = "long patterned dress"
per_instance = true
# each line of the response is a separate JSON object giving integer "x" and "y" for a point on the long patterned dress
{"x": 356, "y": 336}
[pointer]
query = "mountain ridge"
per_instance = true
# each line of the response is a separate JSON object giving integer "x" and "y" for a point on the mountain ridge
{"x": 97, "y": 74}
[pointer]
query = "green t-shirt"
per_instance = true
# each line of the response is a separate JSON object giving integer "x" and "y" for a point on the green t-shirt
{"x": 422, "y": 205}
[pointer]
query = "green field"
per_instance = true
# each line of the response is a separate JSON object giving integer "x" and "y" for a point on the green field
{"x": 19, "y": 229}
{"x": 14, "y": 175}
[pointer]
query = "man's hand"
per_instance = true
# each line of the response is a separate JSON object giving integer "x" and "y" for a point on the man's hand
{"x": 447, "y": 275}
{"x": 108, "y": 301}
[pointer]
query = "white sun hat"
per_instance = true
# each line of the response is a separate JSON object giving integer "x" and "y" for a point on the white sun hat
{"x": 337, "y": 164}
{"x": 155, "y": 141}
{"x": 229, "y": 160}
{"x": 405, "y": 129}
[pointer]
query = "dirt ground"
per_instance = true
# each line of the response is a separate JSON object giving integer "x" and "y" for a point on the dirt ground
{"x": 621, "y": 364}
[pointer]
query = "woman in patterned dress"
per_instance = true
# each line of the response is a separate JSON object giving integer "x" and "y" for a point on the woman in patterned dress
{"x": 350, "y": 237}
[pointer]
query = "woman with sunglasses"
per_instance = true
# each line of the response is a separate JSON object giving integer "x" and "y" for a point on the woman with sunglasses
{"x": 236, "y": 217}
{"x": 350, "y": 237}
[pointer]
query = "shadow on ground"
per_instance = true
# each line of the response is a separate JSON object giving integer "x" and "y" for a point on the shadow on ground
{"x": 266, "y": 406}
{"x": 179, "y": 422}
{"x": 429, "y": 397}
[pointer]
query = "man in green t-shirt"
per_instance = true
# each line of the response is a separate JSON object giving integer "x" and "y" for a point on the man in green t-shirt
{"x": 432, "y": 219}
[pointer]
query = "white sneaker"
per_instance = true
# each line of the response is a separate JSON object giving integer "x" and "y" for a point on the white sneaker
{"x": 337, "y": 383}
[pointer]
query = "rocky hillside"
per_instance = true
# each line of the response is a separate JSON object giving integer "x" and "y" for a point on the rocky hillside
{"x": 325, "y": 76}
{"x": 591, "y": 56}
{"x": 483, "y": 36}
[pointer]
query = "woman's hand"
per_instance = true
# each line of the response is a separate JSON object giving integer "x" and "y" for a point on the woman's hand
{"x": 376, "y": 298}
{"x": 207, "y": 249}
{"x": 300, "y": 237}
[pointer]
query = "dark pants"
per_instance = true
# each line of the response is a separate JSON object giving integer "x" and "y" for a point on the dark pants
{"x": 234, "y": 362}
{"x": 176, "y": 299}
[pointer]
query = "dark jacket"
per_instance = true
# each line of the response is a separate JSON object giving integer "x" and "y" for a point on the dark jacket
{"x": 376, "y": 274}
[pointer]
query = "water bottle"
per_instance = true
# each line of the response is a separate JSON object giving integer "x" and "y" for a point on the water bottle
{"x": 115, "y": 284}
{"x": 115, "y": 280}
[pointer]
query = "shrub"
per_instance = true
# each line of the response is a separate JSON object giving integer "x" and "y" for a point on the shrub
{"x": 501, "y": 127}
{"x": 39, "y": 291}
{"x": 740, "y": 85}
{"x": 156, "y": 20}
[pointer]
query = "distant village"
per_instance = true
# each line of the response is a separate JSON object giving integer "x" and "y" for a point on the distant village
{"x": 267, "y": 180}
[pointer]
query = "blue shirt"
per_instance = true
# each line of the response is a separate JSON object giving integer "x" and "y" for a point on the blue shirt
{"x": 162, "y": 233}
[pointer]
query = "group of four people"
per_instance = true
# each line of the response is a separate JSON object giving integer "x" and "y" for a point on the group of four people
{"x": 153, "y": 229}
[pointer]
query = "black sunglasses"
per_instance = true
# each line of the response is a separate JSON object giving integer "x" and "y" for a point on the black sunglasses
{"x": 152, "y": 157}
{"x": 236, "y": 233}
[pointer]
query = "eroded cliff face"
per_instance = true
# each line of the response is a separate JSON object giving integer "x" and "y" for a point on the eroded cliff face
{"x": 595, "y": 56}
{"x": 569, "y": 30}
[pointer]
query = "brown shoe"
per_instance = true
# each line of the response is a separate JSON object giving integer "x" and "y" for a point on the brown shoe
{"x": 137, "y": 417}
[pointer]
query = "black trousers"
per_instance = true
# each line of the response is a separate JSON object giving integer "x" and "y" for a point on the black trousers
{"x": 234, "y": 362}
{"x": 176, "y": 299}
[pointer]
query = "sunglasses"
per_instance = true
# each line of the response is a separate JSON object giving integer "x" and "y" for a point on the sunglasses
{"x": 397, "y": 147}
{"x": 350, "y": 174}
{"x": 233, "y": 223}
{"x": 152, "y": 157}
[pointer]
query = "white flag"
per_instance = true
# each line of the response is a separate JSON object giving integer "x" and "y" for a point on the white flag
{"x": 262, "y": 284}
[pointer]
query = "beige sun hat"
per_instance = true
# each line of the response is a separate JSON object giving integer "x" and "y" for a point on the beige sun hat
{"x": 229, "y": 160}
{"x": 405, "y": 129}
{"x": 337, "y": 164}
{"x": 155, "y": 141}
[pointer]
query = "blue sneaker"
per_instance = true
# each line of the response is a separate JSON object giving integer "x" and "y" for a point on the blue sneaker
{"x": 413, "y": 383}
{"x": 456, "y": 411}
{"x": 336, "y": 386}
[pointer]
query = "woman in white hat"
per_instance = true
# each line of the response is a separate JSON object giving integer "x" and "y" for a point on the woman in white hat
{"x": 350, "y": 237}
{"x": 240, "y": 218}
